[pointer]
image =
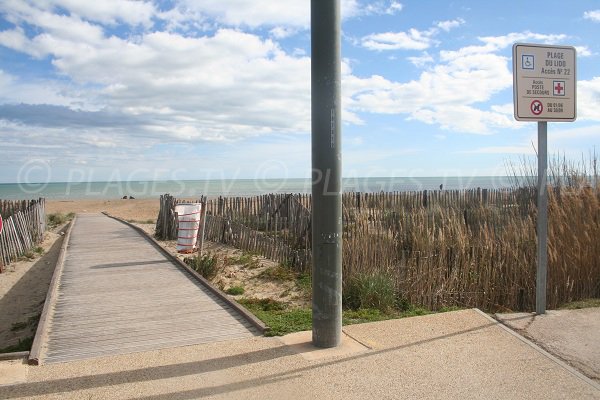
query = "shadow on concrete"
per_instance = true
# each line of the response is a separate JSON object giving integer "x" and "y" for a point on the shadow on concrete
{"x": 198, "y": 367}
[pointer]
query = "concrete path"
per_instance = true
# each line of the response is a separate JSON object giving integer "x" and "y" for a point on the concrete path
{"x": 572, "y": 335}
{"x": 118, "y": 294}
{"x": 456, "y": 355}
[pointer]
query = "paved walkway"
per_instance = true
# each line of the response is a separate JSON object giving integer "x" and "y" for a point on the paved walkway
{"x": 572, "y": 335}
{"x": 455, "y": 355}
{"x": 118, "y": 294}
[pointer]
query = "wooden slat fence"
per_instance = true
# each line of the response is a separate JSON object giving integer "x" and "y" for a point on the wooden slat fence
{"x": 472, "y": 248}
{"x": 278, "y": 226}
{"x": 24, "y": 227}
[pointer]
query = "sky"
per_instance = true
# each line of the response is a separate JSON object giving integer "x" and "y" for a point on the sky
{"x": 213, "y": 89}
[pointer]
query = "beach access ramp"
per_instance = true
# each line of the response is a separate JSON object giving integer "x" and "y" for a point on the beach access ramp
{"x": 115, "y": 292}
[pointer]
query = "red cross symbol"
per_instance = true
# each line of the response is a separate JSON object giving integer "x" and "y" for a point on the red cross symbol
{"x": 559, "y": 88}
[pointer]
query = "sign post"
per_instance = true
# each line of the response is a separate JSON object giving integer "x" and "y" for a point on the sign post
{"x": 545, "y": 89}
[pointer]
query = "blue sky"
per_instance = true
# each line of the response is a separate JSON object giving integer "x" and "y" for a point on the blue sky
{"x": 183, "y": 89}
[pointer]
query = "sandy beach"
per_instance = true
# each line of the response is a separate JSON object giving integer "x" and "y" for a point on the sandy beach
{"x": 139, "y": 210}
{"x": 23, "y": 288}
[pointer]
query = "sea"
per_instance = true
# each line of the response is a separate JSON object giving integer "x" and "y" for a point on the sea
{"x": 193, "y": 189}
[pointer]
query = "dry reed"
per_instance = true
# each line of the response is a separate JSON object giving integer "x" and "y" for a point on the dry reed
{"x": 472, "y": 248}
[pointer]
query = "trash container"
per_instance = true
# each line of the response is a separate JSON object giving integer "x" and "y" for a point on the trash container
{"x": 188, "y": 218}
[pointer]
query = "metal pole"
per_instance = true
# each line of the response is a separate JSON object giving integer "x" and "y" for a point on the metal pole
{"x": 326, "y": 173}
{"x": 542, "y": 219}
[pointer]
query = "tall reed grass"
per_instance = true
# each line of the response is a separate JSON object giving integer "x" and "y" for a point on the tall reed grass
{"x": 471, "y": 248}
{"x": 484, "y": 255}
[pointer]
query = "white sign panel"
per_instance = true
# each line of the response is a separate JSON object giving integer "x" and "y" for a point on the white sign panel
{"x": 545, "y": 85}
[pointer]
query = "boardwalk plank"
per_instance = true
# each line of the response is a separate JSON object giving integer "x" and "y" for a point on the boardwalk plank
{"x": 118, "y": 294}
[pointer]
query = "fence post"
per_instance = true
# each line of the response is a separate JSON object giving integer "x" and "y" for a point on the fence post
{"x": 202, "y": 229}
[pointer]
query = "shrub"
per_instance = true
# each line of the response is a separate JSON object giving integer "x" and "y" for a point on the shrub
{"x": 374, "y": 291}
{"x": 56, "y": 219}
{"x": 206, "y": 265}
{"x": 235, "y": 290}
{"x": 263, "y": 304}
{"x": 305, "y": 282}
{"x": 278, "y": 273}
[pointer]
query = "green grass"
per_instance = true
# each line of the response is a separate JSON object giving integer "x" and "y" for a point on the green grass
{"x": 207, "y": 265}
{"x": 305, "y": 282}
{"x": 56, "y": 219}
{"x": 32, "y": 253}
{"x": 363, "y": 315}
{"x": 248, "y": 260}
{"x": 137, "y": 221}
{"x": 370, "y": 291}
{"x": 282, "y": 319}
{"x": 23, "y": 345}
{"x": 278, "y": 317}
{"x": 576, "y": 305}
{"x": 235, "y": 290}
{"x": 245, "y": 258}
{"x": 278, "y": 273}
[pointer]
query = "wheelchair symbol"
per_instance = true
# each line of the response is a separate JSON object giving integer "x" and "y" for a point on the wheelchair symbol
{"x": 527, "y": 61}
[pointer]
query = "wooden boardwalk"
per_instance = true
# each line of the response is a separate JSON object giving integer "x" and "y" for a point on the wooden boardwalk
{"x": 119, "y": 294}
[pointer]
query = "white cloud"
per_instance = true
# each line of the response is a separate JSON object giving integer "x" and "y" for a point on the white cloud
{"x": 507, "y": 109}
{"x": 493, "y": 44}
{"x": 523, "y": 150}
{"x": 111, "y": 12}
{"x": 450, "y": 93}
{"x": 382, "y": 7}
{"x": 588, "y": 99}
{"x": 422, "y": 60}
{"x": 280, "y": 32}
{"x": 593, "y": 15}
{"x": 450, "y": 24}
{"x": 14, "y": 91}
{"x": 583, "y": 51}
{"x": 413, "y": 39}
{"x": 569, "y": 134}
{"x": 257, "y": 13}
{"x": 223, "y": 86}
{"x": 463, "y": 118}
{"x": 158, "y": 87}
{"x": 444, "y": 94}
{"x": 394, "y": 7}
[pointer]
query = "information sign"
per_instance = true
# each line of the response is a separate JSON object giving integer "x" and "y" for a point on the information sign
{"x": 545, "y": 85}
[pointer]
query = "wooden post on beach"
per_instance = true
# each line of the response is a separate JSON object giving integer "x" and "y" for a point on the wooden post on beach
{"x": 202, "y": 228}
{"x": 1, "y": 249}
